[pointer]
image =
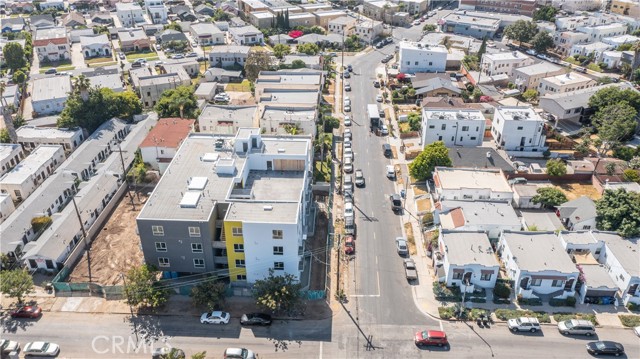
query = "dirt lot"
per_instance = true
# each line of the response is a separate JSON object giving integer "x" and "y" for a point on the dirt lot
{"x": 577, "y": 190}
{"x": 116, "y": 248}
{"x": 316, "y": 244}
{"x": 241, "y": 98}
{"x": 424, "y": 205}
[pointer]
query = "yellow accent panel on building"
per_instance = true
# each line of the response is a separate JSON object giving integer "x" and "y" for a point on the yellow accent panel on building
{"x": 232, "y": 255}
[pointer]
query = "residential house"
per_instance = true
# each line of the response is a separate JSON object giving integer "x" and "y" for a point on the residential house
{"x": 613, "y": 59}
{"x": 75, "y": 34}
{"x": 206, "y": 91}
{"x": 626, "y": 7}
{"x": 467, "y": 260}
{"x": 310, "y": 62}
{"x": 342, "y": 25}
{"x": 523, "y": 194}
{"x": 130, "y": 14}
{"x": 519, "y": 130}
{"x": 183, "y": 12}
{"x": 262, "y": 19}
{"x": 528, "y": 77}
{"x": 228, "y": 55}
{"x": 95, "y": 46}
{"x": 368, "y": 30}
{"x": 302, "y": 19}
{"x": 416, "y": 57}
{"x": 10, "y": 97}
{"x": 21, "y": 7}
{"x": 249, "y": 6}
{"x": 134, "y": 40}
{"x": 437, "y": 86}
{"x": 207, "y": 33}
{"x": 101, "y": 18}
{"x": 26, "y": 176}
{"x": 324, "y": 17}
{"x": 538, "y": 264}
{"x": 226, "y": 120}
{"x": 571, "y": 81}
{"x": 156, "y": 10}
{"x": 168, "y": 35}
{"x": 504, "y": 63}
{"x": 475, "y": 26}
{"x": 218, "y": 224}
{"x": 471, "y": 184}
{"x": 540, "y": 220}
{"x": 575, "y": 6}
{"x": 565, "y": 40}
{"x": 485, "y": 157}
{"x": 621, "y": 261}
{"x": 152, "y": 86}
{"x": 414, "y": 7}
{"x": 10, "y": 155}
{"x": 52, "y": 4}
{"x": 280, "y": 39}
{"x": 73, "y": 20}
{"x": 52, "y": 44}
{"x": 578, "y": 214}
{"x": 599, "y": 32}
{"x": 315, "y": 7}
{"x": 246, "y": 35}
{"x": 521, "y": 7}
{"x": 41, "y": 21}
{"x": 162, "y": 142}
{"x": 594, "y": 49}
{"x": 49, "y": 94}
{"x": 454, "y": 127}
{"x": 282, "y": 119}
{"x": 30, "y": 137}
{"x": 619, "y": 40}
{"x": 380, "y": 10}
{"x": 488, "y": 217}
{"x": 221, "y": 75}
{"x": 205, "y": 10}
{"x": 13, "y": 24}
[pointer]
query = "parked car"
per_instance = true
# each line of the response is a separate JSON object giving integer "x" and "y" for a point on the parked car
{"x": 410, "y": 270}
{"x": 8, "y": 346}
{"x": 386, "y": 150}
{"x": 347, "y": 108}
{"x": 177, "y": 56}
{"x": 577, "y": 327}
{"x": 192, "y": 54}
{"x": 581, "y": 69}
{"x": 384, "y": 130}
{"x": 239, "y": 353}
{"x": 194, "y": 44}
{"x": 349, "y": 245}
{"x": 347, "y": 134}
{"x": 50, "y": 71}
{"x": 379, "y": 45}
{"x": 158, "y": 47}
{"x": 401, "y": 246}
{"x": 431, "y": 337}
{"x": 121, "y": 56}
{"x": 348, "y": 163}
{"x": 376, "y": 84}
{"x": 159, "y": 62}
{"x": 347, "y": 86}
{"x": 215, "y": 317}
{"x": 605, "y": 347}
{"x": 347, "y": 74}
{"x": 347, "y": 121}
{"x": 349, "y": 68}
{"x": 524, "y": 324}
{"x": 221, "y": 97}
{"x": 379, "y": 98}
{"x": 381, "y": 113}
{"x": 348, "y": 153}
{"x": 360, "y": 182}
{"x": 29, "y": 311}
{"x": 255, "y": 319}
{"x": 41, "y": 349}
{"x": 391, "y": 171}
{"x": 416, "y": 22}
{"x": 388, "y": 40}
{"x": 347, "y": 101}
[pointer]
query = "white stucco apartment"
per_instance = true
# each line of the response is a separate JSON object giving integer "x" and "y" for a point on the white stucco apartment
{"x": 246, "y": 35}
{"x": 528, "y": 77}
{"x": 49, "y": 94}
{"x": 6, "y": 206}
{"x": 23, "y": 179}
{"x": 30, "y": 137}
{"x": 519, "y": 129}
{"x": 206, "y": 33}
{"x": 156, "y": 10}
{"x": 226, "y": 119}
{"x": 538, "y": 264}
{"x": 490, "y": 217}
{"x": 504, "y": 63}
{"x": 471, "y": 184}
{"x": 568, "y": 82}
{"x": 10, "y": 155}
{"x": 95, "y": 46}
{"x": 467, "y": 260}
{"x": 368, "y": 30}
{"x": 52, "y": 44}
{"x": 454, "y": 127}
{"x": 129, "y": 14}
{"x": 416, "y": 57}
{"x": 228, "y": 55}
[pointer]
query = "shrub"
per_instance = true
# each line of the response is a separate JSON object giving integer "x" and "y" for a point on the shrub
{"x": 446, "y": 312}
{"x": 571, "y": 301}
{"x": 629, "y": 321}
{"x": 529, "y": 301}
{"x": 502, "y": 290}
{"x": 633, "y": 307}
{"x": 504, "y": 314}
{"x": 41, "y": 222}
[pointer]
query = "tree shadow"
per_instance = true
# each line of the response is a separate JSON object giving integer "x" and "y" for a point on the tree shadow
{"x": 12, "y": 325}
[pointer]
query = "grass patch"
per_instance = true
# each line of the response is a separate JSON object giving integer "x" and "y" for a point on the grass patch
{"x": 424, "y": 204}
{"x": 96, "y": 60}
{"x": 562, "y": 316}
{"x": 629, "y": 321}
{"x": 408, "y": 229}
{"x": 141, "y": 55}
{"x": 419, "y": 189}
{"x": 453, "y": 312}
{"x": 244, "y": 86}
{"x": 594, "y": 67}
{"x": 259, "y": 48}
{"x": 572, "y": 61}
{"x": 102, "y": 64}
{"x": 321, "y": 172}
{"x": 505, "y": 314}
{"x": 56, "y": 64}
{"x": 59, "y": 69}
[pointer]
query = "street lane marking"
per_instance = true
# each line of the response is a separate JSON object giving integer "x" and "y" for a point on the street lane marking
{"x": 320, "y": 356}
{"x": 441, "y": 328}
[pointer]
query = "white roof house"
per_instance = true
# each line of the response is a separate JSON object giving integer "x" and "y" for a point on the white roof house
{"x": 519, "y": 130}
{"x": 568, "y": 82}
{"x": 529, "y": 76}
{"x": 6, "y": 206}
{"x": 275, "y": 118}
{"x": 25, "y": 177}
{"x": 226, "y": 119}
{"x": 10, "y": 156}
{"x": 49, "y": 94}
{"x": 538, "y": 264}
{"x": 471, "y": 184}
{"x": 488, "y": 217}
{"x": 415, "y": 57}
{"x": 622, "y": 263}
{"x": 504, "y": 63}
{"x": 31, "y": 137}
{"x": 207, "y": 33}
{"x": 454, "y": 127}
{"x": 468, "y": 259}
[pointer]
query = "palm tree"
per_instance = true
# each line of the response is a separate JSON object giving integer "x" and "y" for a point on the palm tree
{"x": 6, "y": 114}
{"x": 82, "y": 85}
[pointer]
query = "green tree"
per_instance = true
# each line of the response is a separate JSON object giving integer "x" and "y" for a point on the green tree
{"x": 614, "y": 123}
{"x": 209, "y": 294}
{"x": 174, "y": 353}
{"x": 176, "y": 45}
{"x": 315, "y": 30}
{"x": 199, "y": 355}
{"x": 257, "y": 61}
{"x": 81, "y": 85}
{"x": 631, "y": 175}
{"x": 483, "y": 48}
{"x": 4, "y": 136}
{"x": 173, "y": 26}
{"x": 281, "y": 50}
{"x": 549, "y": 197}
{"x": 429, "y": 27}
{"x": 471, "y": 62}
{"x": 221, "y": 15}
{"x": 624, "y": 47}
{"x": 179, "y": 102}
{"x": 521, "y": 31}
{"x": 542, "y": 41}
{"x": 634, "y": 163}
{"x": 530, "y": 95}
{"x": 14, "y": 56}
{"x": 619, "y": 211}
{"x": 614, "y": 95}
{"x": 556, "y": 167}
{"x": 101, "y": 105}
{"x": 308, "y": 49}
{"x": 415, "y": 121}
{"x": 126, "y": 104}
{"x": 16, "y": 284}
{"x": 331, "y": 123}
{"x": 142, "y": 289}
{"x": 19, "y": 121}
{"x": 545, "y": 13}
{"x": 280, "y": 293}
{"x": 434, "y": 154}
{"x": 19, "y": 77}
{"x": 298, "y": 64}
{"x": 101, "y": 30}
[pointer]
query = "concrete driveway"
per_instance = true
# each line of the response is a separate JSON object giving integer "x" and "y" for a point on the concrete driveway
{"x": 77, "y": 60}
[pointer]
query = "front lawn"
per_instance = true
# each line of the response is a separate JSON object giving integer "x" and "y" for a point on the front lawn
{"x": 131, "y": 56}
{"x": 629, "y": 321}
{"x": 96, "y": 60}
{"x": 60, "y": 69}
{"x": 56, "y": 64}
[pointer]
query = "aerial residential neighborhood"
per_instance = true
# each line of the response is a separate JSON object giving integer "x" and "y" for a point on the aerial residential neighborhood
{"x": 333, "y": 179}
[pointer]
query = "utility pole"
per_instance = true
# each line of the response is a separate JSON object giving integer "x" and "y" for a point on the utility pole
{"x": 84, "y": 234}
{"x": 135, "y": 327}
{"x": 338, "y": 273}
{"x": 124, "y": 176}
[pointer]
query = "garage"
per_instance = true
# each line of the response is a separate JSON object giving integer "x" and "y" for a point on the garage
{"x": 599, "y": 287}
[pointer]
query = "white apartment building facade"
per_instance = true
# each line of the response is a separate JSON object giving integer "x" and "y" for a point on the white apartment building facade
{"x": 416, "y": 57}
{"x": 157, "y": 11}
{"x": 518, "y": 129}
{"x": 20, "y": 182}
{"x": 529, "y": 76}
{"x": 30, "y": 137}
{"x": 368, "y": 30}
{"x": 571, "y": 81}
{"x": 10, "y": 156}
{"x": 52, "y": 44}
{"x": 504, "y": 63}
{"x": 471, "y": 184}
{"x": 464, "y": 128}
{"x": 129, "y": 14}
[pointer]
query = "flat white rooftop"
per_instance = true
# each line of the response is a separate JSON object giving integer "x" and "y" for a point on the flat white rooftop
{"x": 6, "y": 149}
{"x": 410, "y": 45}
{"x": 34, "y": 162}
{"x": 26, "y": 132}
{"x": 506, "y": 56}
{"x": 454, "y": 115}
{"x": 570, "y": 78}
{"x": 517, "y": 113}
{"x": 456, "y": 178}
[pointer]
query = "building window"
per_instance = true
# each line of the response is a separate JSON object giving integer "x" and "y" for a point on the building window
{"x": 278, "y": 251}
{"x": 196, "y": 247}
{"x": 465, "y": 128}
{"x": 457, "y": 275}
{"x": 241, "y": 277}
{"x": 278, "y": 265}
{"x": 520, "y": 128}
{"x": 198, "y": 263}
{"x": 536, "y": 282}
{"x": 485, "y": 276}
{"x": 240, "y": 263}
{"x": 236, "y": 231}
{"x": 557, "y": 283}
{"x": 157, "y": 230}
{"x": 161, "y": 246}
{"x": 472, "y": 138}
{"x": 277, "y": 234}
{"x": 444, "y": 126}
{"x": 194, "y": 231}
{"x": 163, "y": 262}
{"x": 238, "y": 248}
{"x": 432, "y": 126}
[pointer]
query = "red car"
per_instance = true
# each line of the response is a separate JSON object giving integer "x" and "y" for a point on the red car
{"x": 431, "y": 337}
{"x": 349, "y": 245}
{"x": 27, "y": 312}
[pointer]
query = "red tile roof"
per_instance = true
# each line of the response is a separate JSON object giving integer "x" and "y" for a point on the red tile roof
{"x": 45, "y": 42}
{"x": 457, "y": 217}
{"x": 168, "y": 132}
